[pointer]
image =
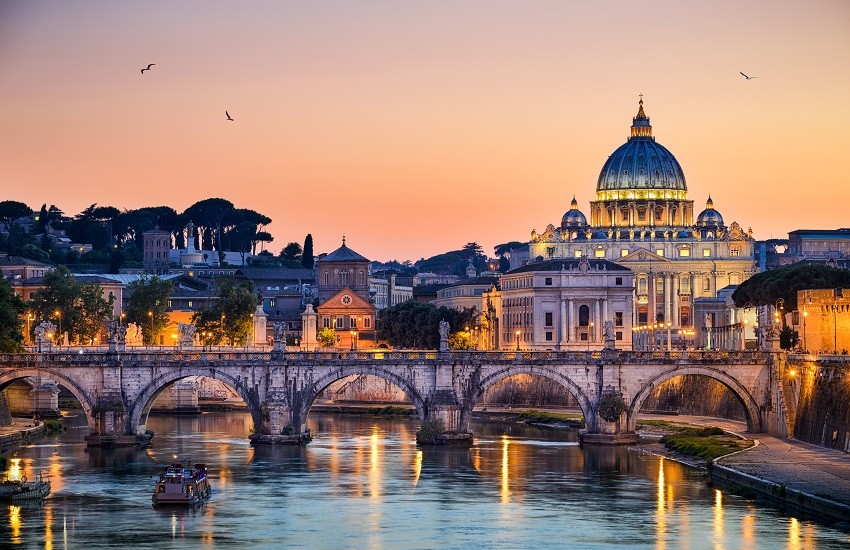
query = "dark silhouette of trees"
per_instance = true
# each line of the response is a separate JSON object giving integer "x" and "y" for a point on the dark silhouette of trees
{"x": 767, "y": 287}
{"x": 10, "y": 212}
{"x": 307, "y": 259}
{"x": 229, "y": 318}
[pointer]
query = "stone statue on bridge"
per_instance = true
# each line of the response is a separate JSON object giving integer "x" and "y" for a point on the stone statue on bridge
{"x": 444, "y": 335}
{"x": 117, "y": 336}
{"x": 186, "y": 332}
{"x": 133, "y": 335}
{"x": 279, "y": 343}
{"x": 608, "y": 334}
{"x": 45, "y": 332}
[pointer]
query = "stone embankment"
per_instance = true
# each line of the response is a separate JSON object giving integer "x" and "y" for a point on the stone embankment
{"x": 791, "y": 474}
{"x": 19, "y": 432}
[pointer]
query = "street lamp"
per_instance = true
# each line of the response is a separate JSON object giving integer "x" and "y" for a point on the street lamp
{"x": 150, "y": 316}
{"x": 58, "y": 315}
{"x": 351, "y": 333}
{"x": 669, "y": 324}
{"x": 30, "y": 319}
{"x": 517, "y": 339}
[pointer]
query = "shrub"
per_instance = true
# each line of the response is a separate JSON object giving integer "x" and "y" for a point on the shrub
{"x": 430, "y": 429}
{"x": 53, "y": 426}
{"x": 611, "y": 407}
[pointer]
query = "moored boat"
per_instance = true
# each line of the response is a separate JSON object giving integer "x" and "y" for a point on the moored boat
{"x": 182, "y": 486}
{"x": 22, "y": 489}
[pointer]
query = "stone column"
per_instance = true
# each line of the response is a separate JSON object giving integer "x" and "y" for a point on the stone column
{"x": 259, "y": 318}
{"x": 563, "y": 323}
{"x": 309, "y": 329}
{"x": 571, "y": 320}
{"x": 675, "y": 298}
{"x": 597, "y": 320}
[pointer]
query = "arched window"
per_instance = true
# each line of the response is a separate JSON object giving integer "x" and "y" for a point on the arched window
{"x": 583, "y": 316}
{"x": 327, "y": 278}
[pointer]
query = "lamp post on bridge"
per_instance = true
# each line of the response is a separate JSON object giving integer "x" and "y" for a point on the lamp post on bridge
{"x": 517, "y": 339}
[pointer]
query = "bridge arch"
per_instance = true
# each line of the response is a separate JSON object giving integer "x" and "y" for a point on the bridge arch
{"x": 82, "y": 397}
{"x": 547, "y": 372}
{"x": 311, "y": 393}
{"x": 141, "y": 405}
{"x": 751, "y": 408}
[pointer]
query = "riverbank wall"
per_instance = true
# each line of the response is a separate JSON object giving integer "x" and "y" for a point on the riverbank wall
{"x": 818, "y": 392}
{"x": 782, "y": 496}
{"x": 20, "y": 431}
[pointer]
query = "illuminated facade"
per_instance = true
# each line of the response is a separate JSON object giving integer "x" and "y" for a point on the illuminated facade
{"x": 642, "y": 219}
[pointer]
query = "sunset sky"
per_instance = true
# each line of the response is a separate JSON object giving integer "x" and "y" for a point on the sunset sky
{"x": 415, "y": 127}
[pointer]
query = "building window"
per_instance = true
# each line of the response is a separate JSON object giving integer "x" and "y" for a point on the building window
{"x": 642, "y": 285}
{"x": 169, "y": 304}
{"x": 618, "y": 281}
{"x": 352, "y": 321}
{"x": 641, "y": 215}
{"x": 583, "y": 316}
{"x": 548, "y": 318}
{"x": 343, "y": 277}
{"x": 550, "y": 251}
{"x": 548, "y": 336}
{"x": 706, "y": 252}
{"x": 618, "y": 335}
{"x": 326, "y": 323}
{"x": 624, "y": 252}
{"x": 327, "y": 278}
{"x": 706, "y": 284}
{"x": 684, "y": 252}
{"x": 360, "y": 277}
{"x": 643, "y": 315}
{"x": 659, "y": 286}
{"x": 577, "y": 253}
{"x": 272, "y": 302}
{"x": 599, "y": 253}
{"x": 548, "y": 281}
{"x": 660, "y": 252}
{"x": 367, "y": 322}
{"x": 338, "y": 322}
{"x": 685, "y": 285}
{"x": 735, "y": 251}
{"x": 190, "y": 304}
{"x": 618, "y": 318}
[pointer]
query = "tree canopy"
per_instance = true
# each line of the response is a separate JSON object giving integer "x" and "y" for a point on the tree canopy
{"x": 767, "y": 287}
{"x": 11, "y": 309}
{"x": 413, "y": 324}
{"x": 229, "y": 318}
{"x": 147, "y": 306}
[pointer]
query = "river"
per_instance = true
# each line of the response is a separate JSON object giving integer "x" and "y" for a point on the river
{"x": 362, "y": 482}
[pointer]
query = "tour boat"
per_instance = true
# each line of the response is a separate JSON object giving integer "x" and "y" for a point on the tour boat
{"x": 182, "y": 486}
{"x": 24, "y": 489}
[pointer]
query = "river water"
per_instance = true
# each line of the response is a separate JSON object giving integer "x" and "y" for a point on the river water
{"x": 362, "y": 482}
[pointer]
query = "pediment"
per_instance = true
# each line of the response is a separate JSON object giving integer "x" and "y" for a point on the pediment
{"x": 346, "y": 299}
{"x": 642, "y": 255}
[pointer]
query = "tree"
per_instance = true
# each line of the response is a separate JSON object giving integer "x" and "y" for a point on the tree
{"x": 94, "y": 311}
{"x": 327, "y": 336}
{"x": 307, "y": 254}
{"x": 767, "y": 287}
{"x": 147, "y": 306}
{"x": 76, "y": 308}
{"x": 10, "y": 212}
{"x": 413, "y": 324}
{"x": 211, "y": 214}
{"x": 11, "y": 309}
{"x": 291, "y": 254}
{"x": 229, "y": 318}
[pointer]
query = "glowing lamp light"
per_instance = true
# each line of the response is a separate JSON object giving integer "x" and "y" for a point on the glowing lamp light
{"x": 792, "y": 373}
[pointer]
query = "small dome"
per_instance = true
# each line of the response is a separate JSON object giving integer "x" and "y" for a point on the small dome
{"x": 709, "y": 217}
{"x": 573, "y": 218}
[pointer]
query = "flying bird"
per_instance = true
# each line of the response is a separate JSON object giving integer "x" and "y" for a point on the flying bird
{"x": 747, "y": 77}
{"x": 228, "y": 115}
{"x": 148, "y": 67}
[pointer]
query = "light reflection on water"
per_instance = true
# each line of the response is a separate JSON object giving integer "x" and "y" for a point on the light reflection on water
{"x": 362, "y": 482}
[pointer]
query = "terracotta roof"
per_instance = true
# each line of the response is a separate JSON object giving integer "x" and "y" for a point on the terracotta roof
{"x": 343, "y": 254}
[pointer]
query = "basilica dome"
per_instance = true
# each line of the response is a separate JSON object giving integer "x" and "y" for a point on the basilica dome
{"x": 574, "y": 217}
{"x": 709, "y": 217}
{"x": 642, "y": 164}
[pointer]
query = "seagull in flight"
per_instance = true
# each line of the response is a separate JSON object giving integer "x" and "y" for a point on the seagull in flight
{"x": 148, "y": 67}
{"x": 228, "y": 116}
{"x": 747, "y": 77}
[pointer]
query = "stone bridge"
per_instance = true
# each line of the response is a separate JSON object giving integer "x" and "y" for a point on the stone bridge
{"x": 117, "y": 390}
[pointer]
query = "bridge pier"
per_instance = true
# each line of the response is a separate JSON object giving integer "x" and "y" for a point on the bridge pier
{"x": 281, "y": 426}
{"x": 452, "y": 421}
